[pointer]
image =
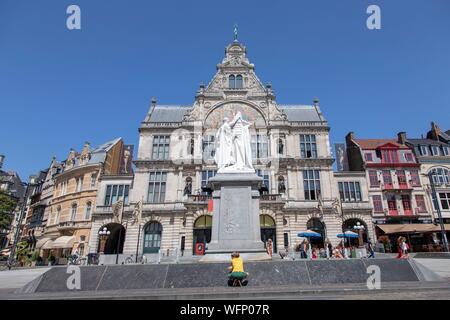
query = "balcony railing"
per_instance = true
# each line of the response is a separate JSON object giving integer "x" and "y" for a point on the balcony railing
{"x": 271, "y": 197}
{"x": 199, "y": 198}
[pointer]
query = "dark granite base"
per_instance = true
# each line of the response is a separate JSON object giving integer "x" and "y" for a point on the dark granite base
{"x": 261, "y": 274}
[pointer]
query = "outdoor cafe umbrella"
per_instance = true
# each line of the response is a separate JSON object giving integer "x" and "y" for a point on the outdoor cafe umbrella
{"x": 347, "y": 235}
{"x": 309, "y": 234}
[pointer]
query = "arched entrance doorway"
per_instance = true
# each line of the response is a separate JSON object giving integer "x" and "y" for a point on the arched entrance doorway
{"x": 152, "y": 237}
{"x": 114, "y": 242}
{"x": 202, "y": 234}
{"x": 314, "y": 224}
{"x": 349, "y": 225}
{"x": 268, "y": 230}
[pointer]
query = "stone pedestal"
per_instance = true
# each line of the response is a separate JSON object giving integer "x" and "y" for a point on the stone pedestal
{"x": 235, "y": 225}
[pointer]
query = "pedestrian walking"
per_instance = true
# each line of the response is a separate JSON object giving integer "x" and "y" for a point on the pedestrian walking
{"x": 370, "y": 249}
{"x": 269, "y": 247}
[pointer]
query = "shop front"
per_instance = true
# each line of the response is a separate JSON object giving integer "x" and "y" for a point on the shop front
{"x": 422, "y": 237}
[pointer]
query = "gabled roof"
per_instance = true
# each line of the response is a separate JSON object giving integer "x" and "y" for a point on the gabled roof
{"x": 301, "y": 113}
{"x": 167, "y": 113}
{"x": 376, "y": 143}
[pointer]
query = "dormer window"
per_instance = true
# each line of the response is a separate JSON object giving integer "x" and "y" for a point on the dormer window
{"x": 423, "y": 150}
{"x": 368, "y": 157}
{"x": 409, "y": 157}
{"x": 435, "y": 150}
{"x": 446, "y": 151}
{"x": 235, "y": 82}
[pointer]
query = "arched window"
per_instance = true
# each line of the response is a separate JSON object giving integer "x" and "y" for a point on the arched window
{"x": 152, "y": 237}
{"x": 239, "y": 83}
{"x": 440, "y": 176}
{"x": 73, "y": 214}
{"x": 203, "y": 222}
{"x": 232, "y": 82}
{"x": 87, "y": 211}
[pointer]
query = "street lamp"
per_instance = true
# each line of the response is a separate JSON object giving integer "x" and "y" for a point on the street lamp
{"x": 360, "y": 229}
{"x": 103, "y": 235}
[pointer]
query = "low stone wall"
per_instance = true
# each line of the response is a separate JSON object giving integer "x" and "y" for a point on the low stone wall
{"x": 267, "y": 273}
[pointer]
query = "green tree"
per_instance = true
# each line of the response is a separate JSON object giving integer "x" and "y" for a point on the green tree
{"x": 7, "y": 206}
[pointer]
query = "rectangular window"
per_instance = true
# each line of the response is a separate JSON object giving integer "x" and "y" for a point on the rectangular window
{"x": 79, "y": 184}
{"x": 387, "y": 179}
{"x": 308, "y": 146}
{"x": 349, "y": 191}
{"x": 420, "y": 202}
{"x": 160, "y": 149}
{"x": 157, "y": 187}
{"x": 373, "y": 177}
{"x": 424, "y": 150}
{"x": 409, "y": 157}
{"x": 401, "y": 177}
{"x": 446, "y": 151}
{"x": 209, "y": 147}
{"x": 93, "y": 180}
{"x": 406, "y": 204}
{"x": 392, "y": 205}
{"x": 415, "y": 180}
{"x": 377, "y": 204}
{"x": 115, "y": 193}
{"x": 311, "y": 184}
{"x": 445, "y": 200}
{"x": 368, "y": 157}
{"x": 266, "y": 178}
{"x": 435, "y": 150}
{"x": 259, "y": 144}
{"x": 389, "y": 156}
{"x": 87, "y": 212}
{"x": 206, "y": 175}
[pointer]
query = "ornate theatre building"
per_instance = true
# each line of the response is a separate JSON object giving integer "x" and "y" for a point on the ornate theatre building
{"x": 290, "y": 150}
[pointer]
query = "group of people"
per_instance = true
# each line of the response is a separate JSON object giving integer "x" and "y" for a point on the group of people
{"x": 402, "y": 248}
{"x": 328, "y": 252}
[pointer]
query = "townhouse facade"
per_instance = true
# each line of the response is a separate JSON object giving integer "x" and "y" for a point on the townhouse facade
{"x": 74, "y": 190}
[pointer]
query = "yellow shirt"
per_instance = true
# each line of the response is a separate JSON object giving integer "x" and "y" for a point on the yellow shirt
{"x": 237, "y": 264}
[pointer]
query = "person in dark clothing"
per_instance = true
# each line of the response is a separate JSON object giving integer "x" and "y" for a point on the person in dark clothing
{"x": 370, "y": 249}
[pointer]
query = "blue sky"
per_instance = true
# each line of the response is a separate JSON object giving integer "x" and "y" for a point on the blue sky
{"x": 59, "y": 88}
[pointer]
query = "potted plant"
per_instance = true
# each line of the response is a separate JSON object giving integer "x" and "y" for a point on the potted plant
{"x": 51, "y": 260}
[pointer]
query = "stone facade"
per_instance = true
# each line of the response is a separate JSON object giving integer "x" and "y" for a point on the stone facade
{"x": 291, "y": 151}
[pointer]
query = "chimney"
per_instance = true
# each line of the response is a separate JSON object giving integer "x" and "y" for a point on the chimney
{"x": 401, "y": 137}
{"x": 435, "y": 131}
{"x": 2, "y": 159}
{"x": 349, "y": 138}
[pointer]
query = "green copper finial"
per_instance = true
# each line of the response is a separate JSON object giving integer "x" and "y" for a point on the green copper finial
{"x": 235, "y": 32}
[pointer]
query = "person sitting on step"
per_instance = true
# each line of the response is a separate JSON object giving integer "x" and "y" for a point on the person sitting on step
{"x": 237, "y": 273}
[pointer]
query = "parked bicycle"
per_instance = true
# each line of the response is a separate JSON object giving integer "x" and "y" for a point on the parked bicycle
{"x": 77, "y": 260}
{"x": 142, "y": 259}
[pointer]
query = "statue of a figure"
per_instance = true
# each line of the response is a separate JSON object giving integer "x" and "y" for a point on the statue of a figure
{"x": 188, "y": 188}
{"x": 241, "y": 143}
{"x": 233, "y": 149}
{"x": 224, "y": 145}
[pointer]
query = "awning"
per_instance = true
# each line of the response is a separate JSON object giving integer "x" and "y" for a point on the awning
{"x": 41, "y": 242}
{"x": 63, "y": 242}
{"x": 47, "y": 245}
{"x": 411, "y": 228}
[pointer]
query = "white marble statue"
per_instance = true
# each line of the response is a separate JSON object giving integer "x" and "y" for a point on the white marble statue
{"x": 233, "y": 151}
{"x": 224, "y": 145}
